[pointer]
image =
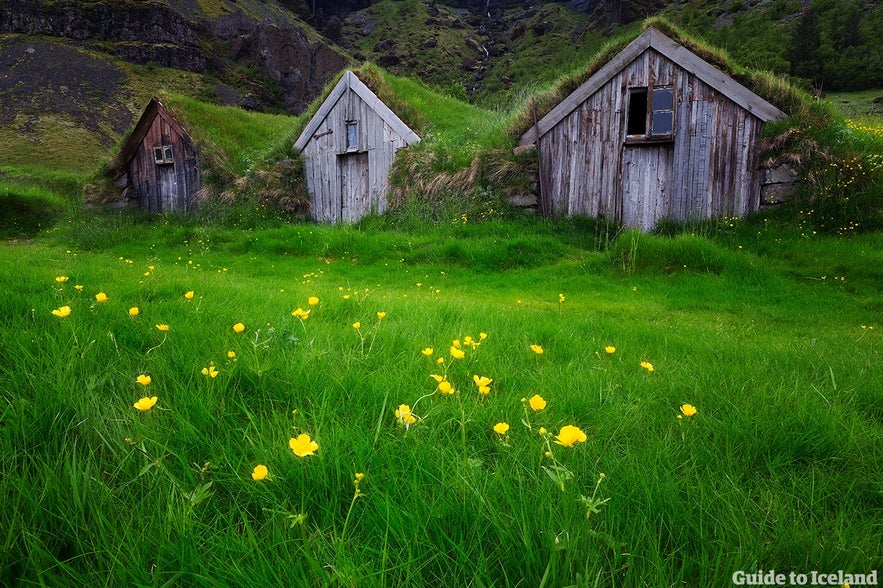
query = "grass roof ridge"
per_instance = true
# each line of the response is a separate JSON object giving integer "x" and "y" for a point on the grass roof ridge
{"x": 376, "y": 79}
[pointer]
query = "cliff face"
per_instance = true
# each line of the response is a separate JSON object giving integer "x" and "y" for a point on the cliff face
{"x": 292, "y": 65}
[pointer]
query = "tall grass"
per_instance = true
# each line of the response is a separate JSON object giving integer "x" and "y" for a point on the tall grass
{"x": 779, "y": 468}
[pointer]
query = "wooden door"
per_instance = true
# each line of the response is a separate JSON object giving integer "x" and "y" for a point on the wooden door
{"x": 167, "y": 185}
{"x": 646, "y": 185}
{"x": 354, "y": 197}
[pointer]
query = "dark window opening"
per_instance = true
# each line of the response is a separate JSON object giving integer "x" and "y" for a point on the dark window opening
{"x": 162, "y": 154}
{"x": 352, "y": 135}
{"x": 637, "y": 122}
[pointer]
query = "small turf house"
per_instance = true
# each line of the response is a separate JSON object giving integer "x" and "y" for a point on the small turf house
{"x": 348, "y": 148}
{"x": 656, "y": 132}
{"x": 162, "y": 162}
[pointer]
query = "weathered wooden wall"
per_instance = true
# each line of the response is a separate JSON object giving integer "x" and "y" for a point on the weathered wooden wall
{"x": 709, "y": 169}
{"x": 166, "y": 187}
{"x": 345, "y": 186}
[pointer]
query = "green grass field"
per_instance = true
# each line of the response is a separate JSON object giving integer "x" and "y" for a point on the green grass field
{"x": 774, "y": 337}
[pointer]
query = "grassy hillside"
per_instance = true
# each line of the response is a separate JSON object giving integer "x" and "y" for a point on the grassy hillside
{"x": 605, "y": 476}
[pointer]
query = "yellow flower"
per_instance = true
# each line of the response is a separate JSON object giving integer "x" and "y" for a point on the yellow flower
{"x": 536, "y": 402}
{"x": 300, "y": 313}
{"x": 231, "y": 354}
{"x": 61, "y": 279}
{"x": 536, "y": 349}
{"x": 143, "y": 379}
{"x": 482, "y": 336}
{"x": 445, "y": 387}
{"x": 189, "y": 295}
{"x": 260, "y": 472}
{"x": 440, "y": 360}
{"x": 62, "y": 311}
{"x": 456, "y": 343}
{"x": 101, "y": 297}
{"x": 162, "y": 327}
{"x": 688, "y": 410}
{"x": 312, "y": 301}
{"x": 210, "y": 371}
{"x": 560, "y": 298}
{"x": 303, "y": 445}
{"x": 381, "y": 315}
{"x": 145, "y": 403}
{"x": 238, "y": 328}
{"x": 457, "y": 353}
{"x": 501, "y": 428}
{"x": 542, "y": 431}
{"x": 481, "y": 380}
{"x": 428, "y": 351}
{"x": 647, "y": 366}
{"x": 610, "y": 349}
{"x": 359, "y": 477}
{"x": 134, "y": 311}
{"x": 79, "y": 287}
{"x": 403, "y": 413}
{"x": 357, "y": 325}
{"x": 346, "y": 296}
{"x": 570, "y": 435}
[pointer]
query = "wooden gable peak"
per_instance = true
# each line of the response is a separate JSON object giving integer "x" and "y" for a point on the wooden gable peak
{"x": 153, "y": 109}
{"x": 350, "y": 82}
{"x": 653, "y": 38}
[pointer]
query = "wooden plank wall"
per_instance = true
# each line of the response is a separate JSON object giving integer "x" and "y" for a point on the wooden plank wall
{"x": 165, "y": 188}
{"x": 708, "y": 170}
{"x": 329, "y": 169}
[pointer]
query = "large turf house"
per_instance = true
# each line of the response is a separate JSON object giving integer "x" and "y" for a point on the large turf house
{"x": 657, "y": 132}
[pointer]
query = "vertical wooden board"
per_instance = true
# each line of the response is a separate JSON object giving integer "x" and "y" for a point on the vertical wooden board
{"x": 544, "y": 149}
{"x": 665, "y": 202}
{"x": 573, "y": 161}
{"x": 679, "y": 147}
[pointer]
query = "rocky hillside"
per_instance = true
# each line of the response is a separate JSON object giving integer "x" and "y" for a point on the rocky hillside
{"x": 265, "y": 54}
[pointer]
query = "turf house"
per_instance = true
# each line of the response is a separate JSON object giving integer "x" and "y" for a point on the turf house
{"x": 348, "y": 147}
{"x": 162, "y": 162}
{"x": 656, "y": 132}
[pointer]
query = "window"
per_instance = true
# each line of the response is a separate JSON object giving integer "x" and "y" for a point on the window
{"x": 163, "y": 154}
{"x": 651, "y": 113}
{"x": 352, "y": 135}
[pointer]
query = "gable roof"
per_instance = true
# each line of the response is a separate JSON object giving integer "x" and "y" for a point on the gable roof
{"x": 349, "y": 81}
{"x": 153, "y": 109}
{"x": 653, "y": 38}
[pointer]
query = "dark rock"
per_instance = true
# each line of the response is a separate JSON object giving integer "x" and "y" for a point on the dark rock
{"x": 389, "y": 61}
{"x": 541, "y": 28}
{"x": 384, "y": 46}
{"x": 333, "y": 29}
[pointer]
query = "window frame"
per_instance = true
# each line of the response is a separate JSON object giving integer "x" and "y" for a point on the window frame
{"x": 347, "y": 126}
{"x": 166, "y": 155}
{"x": 649, "y": 112}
